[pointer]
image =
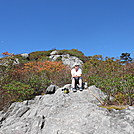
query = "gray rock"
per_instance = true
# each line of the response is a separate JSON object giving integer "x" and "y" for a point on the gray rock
{"x": 54, "y": 52}
{"x": 16, "y": 61}
{"x": 54, "y": 57}
{"x": 97, "y": 92}
{"x": 71, "y": 60}
{"x": 59, "y": 113}
{"x": 25, "y": 55}
{"x": 66, "y": 59}
{"x": 51, "y": 89}
{"x": 10, "y": 61}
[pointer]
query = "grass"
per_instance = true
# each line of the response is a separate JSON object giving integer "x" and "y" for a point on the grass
{"x": 110, "y": 107}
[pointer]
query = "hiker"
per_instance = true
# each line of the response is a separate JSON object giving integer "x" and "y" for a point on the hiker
{"x": 76, "y": 73}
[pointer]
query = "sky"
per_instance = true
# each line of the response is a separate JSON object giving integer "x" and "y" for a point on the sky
{"x": 103, "y": 27}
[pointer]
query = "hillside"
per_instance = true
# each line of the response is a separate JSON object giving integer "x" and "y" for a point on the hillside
{"x": 24, "y": 76}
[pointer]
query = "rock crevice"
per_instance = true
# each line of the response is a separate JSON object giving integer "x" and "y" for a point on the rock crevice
{"x": 72, "y": 113}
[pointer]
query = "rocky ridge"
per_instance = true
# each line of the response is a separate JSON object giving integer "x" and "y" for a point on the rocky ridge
{"x": 72, "y": 113}
{"x": 67, "y": 59}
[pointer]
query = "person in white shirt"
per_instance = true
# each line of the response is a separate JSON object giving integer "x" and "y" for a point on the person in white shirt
{"x": 76, "y": 73}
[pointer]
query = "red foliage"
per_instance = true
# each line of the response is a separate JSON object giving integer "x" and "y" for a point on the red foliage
{"x": 7, "y": 53}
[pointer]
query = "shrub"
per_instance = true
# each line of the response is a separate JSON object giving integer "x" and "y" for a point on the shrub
{"x": 39, "y": 83}
{"x": 113, "y": 78}
{"x": 18, "y": 91}
{"x": 40, "y": 55}
{"x": 14, "y": 91}
{"x": 55, "y": 72}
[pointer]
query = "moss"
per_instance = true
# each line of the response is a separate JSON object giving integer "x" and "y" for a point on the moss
{"x": 114, "y": 107}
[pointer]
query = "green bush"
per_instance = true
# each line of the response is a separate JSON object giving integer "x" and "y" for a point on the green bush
{"x": 40, "y": 55}
{"x": 19, "y": 91}
{"x": 39, "y": 83}
{"x": 113, "y": 78}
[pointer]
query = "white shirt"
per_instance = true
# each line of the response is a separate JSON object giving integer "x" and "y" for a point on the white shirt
{"x": 74, "y": 72}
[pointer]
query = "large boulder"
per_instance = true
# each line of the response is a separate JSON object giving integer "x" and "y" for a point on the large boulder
{"x": 54, "y": 52}
{"x": 97, "y": 92}
{"x": 25, "y": 55}
{"x": 71, "y": 60}
{"x": 51, "y": 89}
{"x": 60, "y": 113}
{"x": 65, "y": 58}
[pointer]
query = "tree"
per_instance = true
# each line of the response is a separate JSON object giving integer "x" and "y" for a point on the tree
{"x": 125, "y": 57}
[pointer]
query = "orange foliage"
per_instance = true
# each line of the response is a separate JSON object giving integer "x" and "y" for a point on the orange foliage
{"x": 42, "y": 66}
{"x": 7, "y": 53}
{"x": 55, "y": 71}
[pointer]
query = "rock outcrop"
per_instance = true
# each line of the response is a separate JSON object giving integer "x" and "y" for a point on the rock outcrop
{"x": 65, "y": 58}
{"x": 9, "y": 61}
{"x": 59, "y": 113}
{"x": 25, "y": 55}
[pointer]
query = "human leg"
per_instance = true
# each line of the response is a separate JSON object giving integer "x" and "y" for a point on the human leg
{"x": 73, "y": 84}
{"x": 80, "y": 84}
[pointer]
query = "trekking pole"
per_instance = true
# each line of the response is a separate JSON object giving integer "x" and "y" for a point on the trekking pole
{"x": 95, "y": 96}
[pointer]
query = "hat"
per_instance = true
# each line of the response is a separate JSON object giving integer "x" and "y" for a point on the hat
{"x": 76, "y": 64}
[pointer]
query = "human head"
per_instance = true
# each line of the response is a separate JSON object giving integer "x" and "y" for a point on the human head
{"x": 76, "y": 66}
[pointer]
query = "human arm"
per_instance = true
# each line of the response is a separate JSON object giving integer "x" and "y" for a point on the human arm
{"x": 75, "y": 73}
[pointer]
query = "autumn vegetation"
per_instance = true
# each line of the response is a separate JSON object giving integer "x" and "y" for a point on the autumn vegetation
{"x": 32, "y": 76}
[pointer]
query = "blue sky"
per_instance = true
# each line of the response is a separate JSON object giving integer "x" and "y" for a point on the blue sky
{"x": 103, "y": 27}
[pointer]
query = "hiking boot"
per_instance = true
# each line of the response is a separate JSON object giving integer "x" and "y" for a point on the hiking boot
{"x": 81, "y": 89}
{"x": 74, "y": 89}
